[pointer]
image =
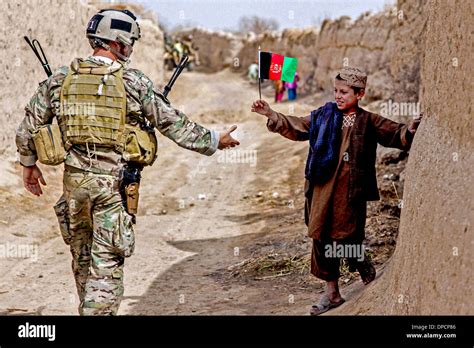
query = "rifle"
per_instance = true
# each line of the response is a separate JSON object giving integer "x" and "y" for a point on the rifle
{"x": 36, "y": 47}
{"x": 177, "y": 72}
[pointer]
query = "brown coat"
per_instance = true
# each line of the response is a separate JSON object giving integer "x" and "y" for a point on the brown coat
{"x": 369, "y": 129}
{"x": 361, "y": 185}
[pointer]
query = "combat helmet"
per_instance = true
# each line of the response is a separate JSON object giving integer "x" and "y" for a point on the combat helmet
{"x": 113, "y": 25}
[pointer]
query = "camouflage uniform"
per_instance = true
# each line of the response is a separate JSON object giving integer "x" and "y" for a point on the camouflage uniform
{"x": 92, "y": 219}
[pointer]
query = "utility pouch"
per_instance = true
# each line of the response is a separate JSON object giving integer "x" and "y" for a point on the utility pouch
{"x": 141, "y": 145}
{"x": 49, "y": 145}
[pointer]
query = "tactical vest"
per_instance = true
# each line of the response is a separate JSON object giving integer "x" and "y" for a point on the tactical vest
{"x": 93, "y": 104}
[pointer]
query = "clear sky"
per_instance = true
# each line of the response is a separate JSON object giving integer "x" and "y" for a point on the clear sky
{"x": 225, "y": 14}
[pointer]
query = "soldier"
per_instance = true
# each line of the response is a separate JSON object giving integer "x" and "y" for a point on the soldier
{"x": 178, "y": 51}
{"x": 106, "y": 114}
{"x": 191, "y": 50}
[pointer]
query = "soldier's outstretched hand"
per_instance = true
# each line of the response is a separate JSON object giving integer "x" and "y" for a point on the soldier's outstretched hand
{"x": 226, "y": 140}
{"x": 32, "y": 177}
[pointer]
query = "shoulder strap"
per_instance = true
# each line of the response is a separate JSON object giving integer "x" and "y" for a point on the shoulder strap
{"x": 64, "y": 87}
{"x": 122, "y": 136}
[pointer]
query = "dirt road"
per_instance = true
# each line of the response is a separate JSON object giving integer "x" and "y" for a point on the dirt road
{"x": 215, "y": 235}
{"x": 194, "y": 215}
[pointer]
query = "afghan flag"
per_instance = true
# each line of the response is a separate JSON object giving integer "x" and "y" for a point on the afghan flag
{"x": 277, "y": 67}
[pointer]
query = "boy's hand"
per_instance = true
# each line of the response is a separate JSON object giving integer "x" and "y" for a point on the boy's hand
{"x": 261, "y": 107}
{"x": 415, "y": 123}
{"x": 32, "y": 177}
{"x": 226, "y": 140}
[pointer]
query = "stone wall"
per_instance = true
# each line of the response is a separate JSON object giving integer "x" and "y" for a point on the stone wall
{"x": 368, "y": 42}
{"x": 217, "y": 50}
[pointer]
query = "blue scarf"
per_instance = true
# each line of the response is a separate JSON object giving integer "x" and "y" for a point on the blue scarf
{"x": 324, "y": 143}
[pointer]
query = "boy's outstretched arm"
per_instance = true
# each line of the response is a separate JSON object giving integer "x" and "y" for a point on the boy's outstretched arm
{"x": 291, "y": 127}
{"x": 393, "y": 134}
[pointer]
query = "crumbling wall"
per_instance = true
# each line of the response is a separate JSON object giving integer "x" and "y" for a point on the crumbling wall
{"x": 60, "y": 28}
{"x": 367, "y": 42}
{"x": 217, "y": 49}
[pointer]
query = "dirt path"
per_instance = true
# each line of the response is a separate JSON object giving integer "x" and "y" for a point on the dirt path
{"x": 199, "y": 217}
{"x": 179, "y": 253}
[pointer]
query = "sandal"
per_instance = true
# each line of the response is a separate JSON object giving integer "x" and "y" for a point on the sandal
{"x": 325, "y": 305}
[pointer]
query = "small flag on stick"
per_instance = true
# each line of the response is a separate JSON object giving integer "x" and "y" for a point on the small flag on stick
{"x": 277, "y": 67}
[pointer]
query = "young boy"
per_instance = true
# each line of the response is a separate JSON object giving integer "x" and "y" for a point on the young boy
{"x": 340, "y": 175}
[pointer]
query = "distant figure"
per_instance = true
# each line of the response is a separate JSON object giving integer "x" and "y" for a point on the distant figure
{"x": 292, "y": 86}
{"x": 191, "y": 50}
{"x": 252, "y": 74}
{"x": 178, "y": 50}
{"x": 279, "y": 90}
